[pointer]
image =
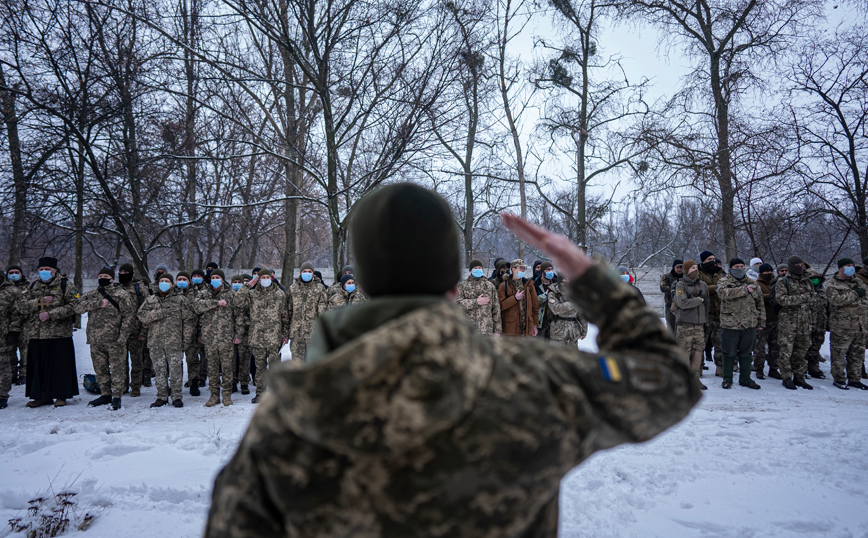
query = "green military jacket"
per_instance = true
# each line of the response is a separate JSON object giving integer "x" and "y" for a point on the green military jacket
{"x": 266, "y": 313}
{"x": 794, "y": 294}
{"x": 711, "y": 280}
{"x": 485, "y": 317}
{"x": 407, "y": 422}
{"x": 848, "y": 312}
{"x": 61, "y": 310}
{"x": 111, "y": 325}
{"x": 164, "y": 317}
{"x": 307, "y": 300}
{"x": 741, "y": 303}
{"x": 568, "y": 324}
{"x": 342, "y": 298}
{"x": 216, "y": 323}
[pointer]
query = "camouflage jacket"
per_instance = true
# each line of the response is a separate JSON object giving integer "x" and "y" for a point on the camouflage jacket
{"x": 307, "y": 300}
{"x": 711, "y": 280}
{"x": 138, "y": 291}
{"x": 333, "y": 289}
{"x": 667, "y": 286}
{"x": 487, "y": 317}
{"x": 342, "y": 298}
{"x": 190, "y": 318}
{"x": 847, "y": 311}
{"x": 10, "y": 319}
{"x": 419, "y": 426}
{"x": 568, "y": 325}
{"x": 739, "y": 307}
{"x": 794, "y": 295}
{"x": 109, "y": 325}
{"x": 216, "y": 323}
{"x": 164, "y": 319}
{"x": 62, "y": 309}
{"x": 266, "y": 313}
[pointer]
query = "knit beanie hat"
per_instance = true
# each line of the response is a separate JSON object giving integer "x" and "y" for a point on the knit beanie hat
{"x": 183, "y": 274}
{"x": 404, "y": 225}
{"x": 736, "y": 261}
{"x": 348, "y": 269}
{"x": 766, "y": 267}
{"x": 704, "y": 255}
{"x": 236, "y": 278}
{"x": 687, "y": 266}
{"x": 474, "y": 263}
{"x": 161, "y": 267}
{"x": 167, "y": 275}
{"x": 544, "y": 266}
{"x": 198, "y": 272}
{"x": 677, "y": 262}
{"x": 218, "y": 272}
{"x": 106, "y": 270}
{"x": 345, "y": 279}
{"x": 791, "y": 265}
{"x": 128, "y": 267}
{"x": 845, "y": 261}
{"x": 265, "y": 272}
{"x": 305, "y": 265}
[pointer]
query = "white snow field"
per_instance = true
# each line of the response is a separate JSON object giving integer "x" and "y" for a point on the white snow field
{"x": 745, "y": 463}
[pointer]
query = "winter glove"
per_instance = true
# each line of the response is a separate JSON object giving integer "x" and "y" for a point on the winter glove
{"x": 12, "y": 338}
{"x": 860, "y": 292}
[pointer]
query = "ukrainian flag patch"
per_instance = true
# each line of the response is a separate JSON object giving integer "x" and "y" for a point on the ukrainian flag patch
{"x": 610, "y": 369}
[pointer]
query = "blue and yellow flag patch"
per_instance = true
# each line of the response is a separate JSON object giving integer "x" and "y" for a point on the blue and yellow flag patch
{"x": 610, "y": 369}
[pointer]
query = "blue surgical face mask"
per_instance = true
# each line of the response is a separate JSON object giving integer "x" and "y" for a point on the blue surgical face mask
{"x": 216, "y": 282}
{"x": 625, "y": 278}
{"x": 197, "y": 280}
{"x": 350, "y": 288}
{"x": 550, "y": 275}
{"x": 520, "y": 274}
{"x": 182, "y": 284}
{"x": 307, "y": 277}
{"x": 266, "y": 282}
{"x": 477, "y": 273}
{"x": 849, "y": 271}
{"x": 14, "y": 277}
{"x": 45, "y": 275}
{"x": 165, "y": 286}
{"x": 236, "y": 286}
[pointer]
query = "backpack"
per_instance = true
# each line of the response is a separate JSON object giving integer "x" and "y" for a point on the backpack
{"x": 773, "y": 285}
{"x": 89, "y": 383}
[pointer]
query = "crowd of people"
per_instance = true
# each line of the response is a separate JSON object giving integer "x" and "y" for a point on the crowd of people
{"x": 758, "y": 315}
{"x": 229, "y": 331}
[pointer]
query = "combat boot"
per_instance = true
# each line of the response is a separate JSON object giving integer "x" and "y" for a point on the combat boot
{"x": 817, "y": 374}
{"x": 841, "y": 385}
{"x": 760, "y": 374}
{"x": 135, "y": 393}
{"x": 235, "y": 387}
{"x": 751, "y": 385}
{"x": 698, "y": 375}
{"x": 3, "y": 403}
{"x": 255, "y": 399}
{"x": 800, "y": 382}
{"x": 194, "y": 387}
{"x": 864, "y": 374}
{"x": 102, "y": 400}
{"x": 214, "y": 400}
{"x": 116, "y": 404}
{"x": 858, "y": 385}
{"x": 245, "y": 390}
{"x": 227, "y": 399}
{"x": 60, "y": 402}
{"x": 159, "y": 403}
{"x": 718, "y": 371}
{"x": 178, "y": 403}
{"x": 788, "y": 384}
{"x": 773, "y": 373}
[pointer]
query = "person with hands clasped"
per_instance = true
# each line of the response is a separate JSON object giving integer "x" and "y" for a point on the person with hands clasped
{"x": 217, "y": 324}
{"x": 741, "y": 312}
{"x": 519, "y": 304}
{"x": 478, "y": 297}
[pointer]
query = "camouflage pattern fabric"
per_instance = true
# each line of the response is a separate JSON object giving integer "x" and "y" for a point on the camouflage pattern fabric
{"x": 767, "y": 336}
{"x": 15, "y": 323}
{"x": 422, "y": 427}
{"x": 741, "y": 303}
{"x": 848, "y": 355}
{"x": 221, "y": 362}
{"x": 264, "y": 359}
{"x": 194, "y": 352}
{"x": 712, "y": 280}
{"x": 10, "y": 322}
{"x": 107, "y": 325}
{"x": 307, "y": 300}
{"x": 61, "y": 310}
{"x": 848, "y": 323}
{"x": 138, "y": 291}
{"x": 163, "y": 317}
{"x": 263, "y": 315}
{"x": 298, "y": 349}
{"x": 169, "y": 367}
{"x": 109, "y": 361}
{"x": 568, "y": 325}
{"x": 485, "y": 317}
{"x": 692, "y": 340}
{"x": 242, "y": 329}
{"x": 216, "y": 323}
{"x": 794, "y": 324}
{"x": 341, "y": 299}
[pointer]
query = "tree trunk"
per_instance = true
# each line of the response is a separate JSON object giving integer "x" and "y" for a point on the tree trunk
{"x": 19, "y": 208}
{"x": 724, "y": 159}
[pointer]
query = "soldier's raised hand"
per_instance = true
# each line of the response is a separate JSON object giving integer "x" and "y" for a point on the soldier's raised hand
{"x": 563, "y": 252}
{"x": 482, "y": 300}
{"x": 103, "y": 303}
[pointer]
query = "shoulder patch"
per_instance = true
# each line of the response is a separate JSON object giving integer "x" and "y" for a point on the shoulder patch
{"x": 552, "y": 300}
{"x": 610, "y": 369}
{"x": 679, "y": 291}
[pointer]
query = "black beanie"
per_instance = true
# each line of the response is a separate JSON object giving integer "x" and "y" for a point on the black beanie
{"x": 218, "y": 272}
{"x": 106, "y": 270}
{"x": 211, "y": 265}
{"x": 404, "y": 225}
{"x": 128, "y": 267}
{"x": 677, "y": 262}
{"x": 474, "y": 263}
{"x": 766, "y": 268}
{"x": 704, "y": 254}
{"x": 845, "y": 261}
{"x": 166, "y": 275}
{"x": 346, "y": 277}
{"x": 198, "y": 272}
{"x": 736, "y": 261}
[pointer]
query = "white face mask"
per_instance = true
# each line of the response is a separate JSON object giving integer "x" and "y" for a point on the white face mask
{"x": 265, "y": 282}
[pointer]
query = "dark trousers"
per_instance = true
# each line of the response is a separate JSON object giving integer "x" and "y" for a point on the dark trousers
{"x": 737, "y": 344}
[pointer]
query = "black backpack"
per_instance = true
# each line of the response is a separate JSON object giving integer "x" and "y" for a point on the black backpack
{"x": 772, "y": 285}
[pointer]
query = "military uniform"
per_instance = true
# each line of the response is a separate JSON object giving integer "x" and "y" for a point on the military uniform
{"x": 794, "y": 294}
{"x": 568, "y": 326}
{"x": 667, "y": 286}
{"x": 266, "y": 311}
{"x": 164, "y": 317}
{"x": 692, "y": 302}
{"x": 421, "y": 427}
{"x": 307, "y": 300}
{"x": 712, "y": 328}
{"x": 217, "y": 326}
{"x": 848, "y": 324}
{"x": 819, "y": 326}
{"x": 191, "y": 345}
{"x": 767, "y": 335}
{"x": 15, "y": 332}
{"x": 138, "y": 291}
{"x": 485, "y": 317}
{"x": 741, "y": 312}
{"x": 343, "y": 298}
{"x": 108, "y": 329}
{"x": 10, "y": 322}
{"x": 243, "y": 354}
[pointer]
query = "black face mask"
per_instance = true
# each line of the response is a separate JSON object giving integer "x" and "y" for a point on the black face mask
{"x": 708, "y": 266}
{"x": 208, "y": 272}
{"x": 104, "y": 282}
{"x": 157, "y": 275}
{"x": 125, "y": 278}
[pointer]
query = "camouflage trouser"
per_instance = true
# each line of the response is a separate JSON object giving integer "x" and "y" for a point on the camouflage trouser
{"x": 813, "y": 354}
{"x": 298, "y": 348}
{"x": 222, "y": 363}
{"x": 169, "y": 366}
{"x": 769, "y": 335}
{"x": 134, "y": 368}
{"x": 147, "y": 364}
{"x": 18, "y": 363}
{"x": 692, "y": 339}
{"x": 670, "y": 319}
{"x": 196, "y": 365}
{"x": 109, "y": 365}
{"x": 712, "y": 339}
{"x": 264, "y": 357}
{"x": 848, "y": 355}
{"x": 7, "y": 356}
{"x": 242, "y": 370}
{"x": 794, "y": 340}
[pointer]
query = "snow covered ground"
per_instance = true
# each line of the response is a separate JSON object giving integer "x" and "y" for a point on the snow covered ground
{"x": 745, "y": 463}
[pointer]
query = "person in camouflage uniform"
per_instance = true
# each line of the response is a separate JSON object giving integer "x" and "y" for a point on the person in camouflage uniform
{"x": 691, "y": 300}
{"x": 264, "y": 306}
{"x": 9, "y": 324}
{"x": 568, "y": 326}
{"x": 307, "y": 300}
{"x": 190, "y": 345}
{"x": 848, "y": 323}
{"x": 711, "y": 274}
{"x": 336, "y": 285}
{"x": 348, "y": 293}
{"x": 16, "y": 338}
{"x": 138, "y": 291}
{"x": 407, "y": 422}
{"x": 768, "y": 334}
{"x": 819, "y": 324}
{"x": 667, "y": 287}
{"x": 478, "y": 297}
{"x": 49, "y": 310}
{"x": 862, "y": 274}
{"x": 197, "y": 360}
{"x": 741, "y": 312}
{"x": 243, "y": 355}
{"x": 110, "y": 320}
{"x": 163, "y": 314}
{"x": 793, "y": 292}
{"x": 217, "y": 323}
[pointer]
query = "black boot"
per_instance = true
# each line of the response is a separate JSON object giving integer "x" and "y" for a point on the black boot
{"x": 116, "y": 404}
{"x": 255, "y": 399}
{"x": 178, "y": 403}
{"x": 817, "y": 374}
{"x": 201, "y": 383}
{"x": 800, "y": 382}
{"x": 146, "y": 382}
{"x": 235, "y": 387}
{"x": 194, "y": 387}
{"x": 102, "y": 400}
{"x": 841, "y": 385}
{"x": 788, "y": 384}
{"x": 858, "y": 385}
{"x": 3, "y": 403}
{"x": 159, "y": 403}
{"x": 760, "y": 374}
{"x": 773, "y": 373}
{"x": 245, "y": 390}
